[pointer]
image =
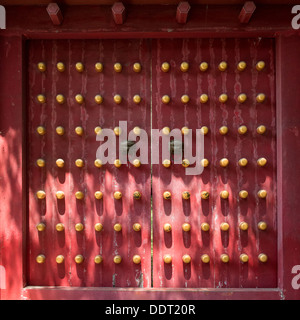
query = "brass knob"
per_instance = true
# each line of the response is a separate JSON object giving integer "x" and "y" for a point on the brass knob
{"x": 60, "y": 195}
{"x": 137, "y": 195}
{"x": 60, "y": 130}
{"x": 262, "y": 225}
{"x": 137, "y": 227}
{"x": 262, "y": 257}
{"x": 40, "y": 258}
{"x": 167, "y": 195}
{"x": 205, "y": 258}
{"x": 242, "y": 129}
{"x": 99, "y": 67}
{"x": 40, "y": 163}
{"x": 261, "y": 129}
{"x": 136, "y": 131}
{"x": 203, "y": 98}
{"x": 98, "y": 195}
{"x": 41, "y": 98}
{"x": 167, "y": 227}
{"x": 137, "y": 67}
{"x": 117, "y": 259}
{"x": 166, "y": 163}
{"x": 260, "y": 97}
{"x": 224, "y": 226}
{"x": 185, "y": 163}
{"x": 204, "y": 194}
{"x": 40, "y": 226}
{"x": 41, "y": 194}
{"x": 79, "y": 163}
{"x": 136, "y": 163}
{"x": 60, "y": 98}
{"x": 41, "y": 66}
{"x": 243, "y": 226}
{"x": 223, "y": 98}
{"x": 98, "y": 99}
{"x": 262, "y": 194}
{"x": 185, "y": 98}
{"x": 118, "y": 227}
{"x": 186, "y": 195}
{"x": 41, "y": 130}
{"x": 185, "y": 130}
{"x": 117, "y": 163}
{"x": 117, "y": 131}
{"x": 79, "y": 227}
{"x": 184, "y": 67}
{"x": 224, "y": 162}
{"x": 243, "y": 194}
{"x": 241, "y": 65}
{"x": 223, "y": 130}
{"x": 166, "y": 130}
{"x": 60, "y": 227}
{"x": 98, "y": 163}
{"x": 205, "y": 226}
{"x": 165, "y": 67}
{"x": 98, "y": 227}
{"x": 204, "y": 130}
{"x": 137, "y": 99}
{"x": 98, "y": 130}
{"x": 244, "y": 258}
{"x": 79, "y": 259}
{"x": 79, "y": 195}
{"x": 203, "y": 66}
{"x": 60, "y": 67}
{"x": 186, "y": 258}
{"x": 243, "y": 162}
{"x": 224, "y": 258}
{"x": 222, "y": 66}
{"x": 167, "y": 258}
{"x": 79, "y": 98}
{"x": 165, "y": 99}
{"x": 117, "y": 99}
{"x": 224, "y": 194}
{"x": 79, "y": 67}
{"x": 262, "y": 162}
{"x": 60, "y": 163}
{"x": 79, "y": 131}
{"x": 242, "y": 98}
{"x": 98, "y": 259}
{"x": 204, "y": 163}
{"x": 117, "y": 195}
{"x": 118, "y": 67}
{"x": 60, "y": 259}
{"x": 136, "y": 259}
{"x": 260, "y": 65}
{"x": 186, "y": 227}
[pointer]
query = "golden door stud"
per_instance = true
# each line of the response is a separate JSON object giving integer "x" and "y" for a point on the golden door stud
{"x": 99, "y": 67}
{"x": 117, "y": 195}
{"x": 167, "y": 195}
{"x": 203, "y": 66}
{"x": 118, "y": 227}
{"x": 79, "y": 67}
{"x": 184, "y": 67}
{"x": 241, "y": 66}
{"x": 186, "y": 258}
{"x": 137, "y": 67}
{"x": 118, "y": 67}
{"x": 41, "y": 66}
{"x": 98, "y": 195}
{"x": 260, "y": 65}
{"x": 136, "y": 259}
{"x": 167, "y": 227}
{"x": 40, "y": 259}
{"x": 205, "y": 226}
{"x": 60, "y": 67}
{"x": 186, "y": 227}
{"x": 117, "y": 259}
{"x": 222, "y": 66}
{"x": 165, "y": 67}
{"x": 98, "y": 259}
{"x": 137, "y": 227}
{"x": 98, "y": 227}
{"x": 167, "y": 258}
{"x": 205, "y": 258}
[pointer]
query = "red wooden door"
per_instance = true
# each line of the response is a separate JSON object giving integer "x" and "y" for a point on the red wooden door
{"x": 67, "y": 150}
{"x": 206, "y": 243}
{"x": 62, "y": 154}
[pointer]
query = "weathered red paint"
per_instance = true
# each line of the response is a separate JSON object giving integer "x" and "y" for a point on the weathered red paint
{"x": 214, "y": 179}
{"x": 88, "y": 179}
{"x": 207, "y": 22}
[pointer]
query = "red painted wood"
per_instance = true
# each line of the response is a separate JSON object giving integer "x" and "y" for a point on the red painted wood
{"x": 247, "y": 12}
{"x": 214, "y": 178}
{"x": 182, "y": 12}
{"x": 55, "y": 14}
{"x": 118, "y": 12}
{"x": 89, "y": 179}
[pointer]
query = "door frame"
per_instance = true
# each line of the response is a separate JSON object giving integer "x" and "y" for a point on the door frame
{"x": 150, "y": 22}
